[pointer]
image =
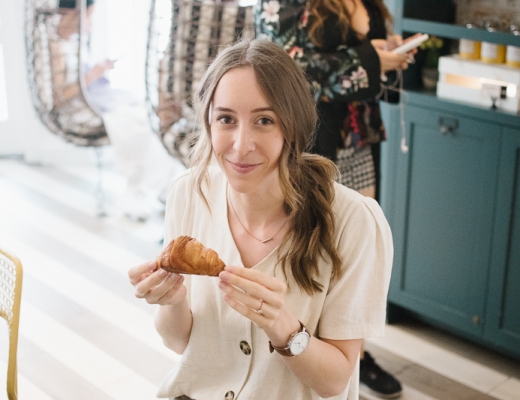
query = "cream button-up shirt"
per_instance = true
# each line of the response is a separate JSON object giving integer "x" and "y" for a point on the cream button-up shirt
{"x": 228, "y": 356}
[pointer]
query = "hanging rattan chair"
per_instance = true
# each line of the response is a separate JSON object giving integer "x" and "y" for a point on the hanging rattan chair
{"x": 183, "y": 38}
{"x": 72, "y": 118}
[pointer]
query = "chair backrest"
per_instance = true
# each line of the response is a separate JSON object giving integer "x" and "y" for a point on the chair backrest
{"x": 175, "y": 65}
{"x": 11, "y": 276}
{"x": 74, "y": 119}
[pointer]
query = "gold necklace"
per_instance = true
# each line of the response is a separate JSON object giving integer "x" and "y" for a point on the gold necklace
{"x": 249, "y": 233}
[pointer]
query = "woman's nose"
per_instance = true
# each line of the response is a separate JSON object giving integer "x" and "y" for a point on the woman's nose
{"x": 244, "y": 141}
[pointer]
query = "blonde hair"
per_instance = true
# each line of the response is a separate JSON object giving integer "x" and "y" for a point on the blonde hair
{"x": 306, "y": 180}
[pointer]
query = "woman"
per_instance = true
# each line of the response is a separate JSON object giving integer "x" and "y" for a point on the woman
{"x": 303, "y": 253}
{"x": 328, "y": 39}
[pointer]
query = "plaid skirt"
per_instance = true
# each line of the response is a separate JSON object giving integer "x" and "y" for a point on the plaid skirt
{"x": 356, "y": 167}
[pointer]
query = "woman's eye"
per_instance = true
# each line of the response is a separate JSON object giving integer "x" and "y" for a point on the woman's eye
{"x": 225, "y": 119}
{"x": 265, "y": 121}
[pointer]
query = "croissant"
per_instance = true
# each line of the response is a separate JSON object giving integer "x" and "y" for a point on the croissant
{"x": 186, "y": 255}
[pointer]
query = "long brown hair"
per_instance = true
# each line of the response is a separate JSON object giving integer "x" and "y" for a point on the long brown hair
{"x": 389, "y": 20}
{"x": 320, "y": 10}
{"x": 306, "y": 179}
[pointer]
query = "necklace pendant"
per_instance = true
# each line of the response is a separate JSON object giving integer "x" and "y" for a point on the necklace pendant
{"x": 267, "y": 240}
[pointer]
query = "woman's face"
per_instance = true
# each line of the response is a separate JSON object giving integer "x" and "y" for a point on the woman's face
{"x": 246, "y": 134}
{"x": 69, "y": 22}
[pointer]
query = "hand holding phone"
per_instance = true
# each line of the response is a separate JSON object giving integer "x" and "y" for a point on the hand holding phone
{"x": 411, "y": 44}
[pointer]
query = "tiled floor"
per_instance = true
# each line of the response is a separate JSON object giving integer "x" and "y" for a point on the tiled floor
{"x": 83, "y": 334}
{"x": 441, "y": 366}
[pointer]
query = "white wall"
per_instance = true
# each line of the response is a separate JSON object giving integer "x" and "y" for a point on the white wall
{"x": 21, "y": 119}
{"x": 120, "y": 26}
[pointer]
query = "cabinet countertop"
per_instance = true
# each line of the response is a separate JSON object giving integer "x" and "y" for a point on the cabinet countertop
{"x": 429, "y": 99}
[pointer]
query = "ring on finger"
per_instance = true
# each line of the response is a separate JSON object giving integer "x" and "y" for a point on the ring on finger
{"x": 259, "y": 310}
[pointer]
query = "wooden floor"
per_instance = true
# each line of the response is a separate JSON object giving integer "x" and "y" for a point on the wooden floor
{"x": 83, "y": 334}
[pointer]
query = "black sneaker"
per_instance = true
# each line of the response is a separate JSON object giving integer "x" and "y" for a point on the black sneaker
{"x": 376, "y": 381}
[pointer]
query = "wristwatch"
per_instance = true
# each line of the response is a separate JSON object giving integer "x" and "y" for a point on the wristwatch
{"x": 296, "y": 345}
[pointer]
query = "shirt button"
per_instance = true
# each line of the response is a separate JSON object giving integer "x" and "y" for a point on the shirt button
{"x": 229, "y": 395}
{"x": 244, "y": 346}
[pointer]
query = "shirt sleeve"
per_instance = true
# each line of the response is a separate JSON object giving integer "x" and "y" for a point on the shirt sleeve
{"x": 341, "y": 74}
{"x": 355, "y": 306}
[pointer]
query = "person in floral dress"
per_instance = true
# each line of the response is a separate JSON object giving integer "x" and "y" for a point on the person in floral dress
{"x": 328, "y": 39}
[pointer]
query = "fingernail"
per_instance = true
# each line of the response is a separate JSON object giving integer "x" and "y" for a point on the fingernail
{"x": 163, "y": 272}
{"x": 224, "y": 275}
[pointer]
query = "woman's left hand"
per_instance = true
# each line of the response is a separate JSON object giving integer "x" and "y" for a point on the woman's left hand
{"x": 255, "y": 295}
{"x": 394, "y": 41}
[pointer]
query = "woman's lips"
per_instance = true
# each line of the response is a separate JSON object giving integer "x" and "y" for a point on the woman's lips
{"x": 243, "y": 168}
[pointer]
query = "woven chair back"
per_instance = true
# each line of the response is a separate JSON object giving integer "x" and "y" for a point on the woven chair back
{"x": 54, "y": 66}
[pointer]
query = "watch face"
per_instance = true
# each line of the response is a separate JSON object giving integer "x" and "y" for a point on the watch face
{"x": 299, "y": 343}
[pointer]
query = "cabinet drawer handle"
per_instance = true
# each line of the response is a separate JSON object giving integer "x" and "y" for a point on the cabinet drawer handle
{"x": 448, "y": 125}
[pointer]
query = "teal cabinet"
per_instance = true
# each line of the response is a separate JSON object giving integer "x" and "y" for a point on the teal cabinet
{"x": 503, "y": 311}
{"x": 453, "y": 202}
{"x": 453, "y": 199}
{"x": 444, "y": 215}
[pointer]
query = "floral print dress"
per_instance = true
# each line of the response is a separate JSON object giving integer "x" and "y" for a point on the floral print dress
{"x": 338, "y": 72}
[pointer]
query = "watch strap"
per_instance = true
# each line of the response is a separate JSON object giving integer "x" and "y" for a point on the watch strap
{"x": 285, "y": 351}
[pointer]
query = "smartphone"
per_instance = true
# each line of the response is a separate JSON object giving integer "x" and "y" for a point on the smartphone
{"x": 411, "y": 44}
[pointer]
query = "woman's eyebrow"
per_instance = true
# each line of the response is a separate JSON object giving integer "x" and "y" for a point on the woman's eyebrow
{"x": 262, "y": 109}
{"x": 223, "y": 109}
{"x": 252, "y": 111}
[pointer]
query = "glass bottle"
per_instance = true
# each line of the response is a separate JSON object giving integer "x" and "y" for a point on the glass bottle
{"x": 492, "y": 52}
{"x": 513, "y": 52}
{"x": 469, "y": 49}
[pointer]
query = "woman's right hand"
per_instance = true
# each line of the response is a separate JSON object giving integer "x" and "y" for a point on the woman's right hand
{"x": 389, "y": 61}
{"x": 159, "y": 287}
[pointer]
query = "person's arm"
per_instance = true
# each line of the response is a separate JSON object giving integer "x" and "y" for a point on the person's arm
{"x": 173, "y": 319}
{"x": 342, "y": 74}
{"x": 347, "y": 74}
{"x": 63, "y": 90}
{"x": 389, "y": 60}
{"x": 325, "y": 366}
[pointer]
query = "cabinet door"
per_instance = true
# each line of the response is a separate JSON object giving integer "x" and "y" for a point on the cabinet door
{"x": 503, "y": 313}
{"x": 445, "y": 191}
